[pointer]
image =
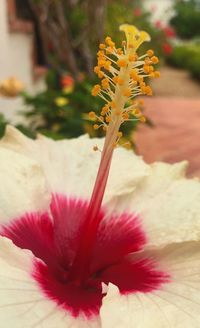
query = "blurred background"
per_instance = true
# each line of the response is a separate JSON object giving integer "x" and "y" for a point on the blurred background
{"x": 48, "y": 51}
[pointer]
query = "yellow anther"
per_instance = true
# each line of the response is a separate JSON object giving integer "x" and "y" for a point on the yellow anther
{"x": 151, "y": 69}
{"x": 115, "y": 79}
{"x": 96, "y": 126}
{"x": 143, "y": 89}
{"x": 105, "y": 108}
{"x": 146, "y": 68}
{"x": 108, "y": 119}
{"x": 108, "y": 39}
{"x": 148, "y": 90}
{"x": 150, "y": 52}
{"x": 100, "y": 75}
{"x": 102, "y": 46}
{"x": 96, "y": 89}
{"x": 157, "y": 74}
{"x": 114, "y": 144}
{"x": 134, "y": 75}
{"x": 107, "y": 65}
{"x": 97, "y": 69}
{"x": 125, "y": 116}
{"x": 118, "y": 80}
{"x": 122, "y": 63}
{"x": 141, "y": 102}
{"x": 92, "y": 115}
{"x": 136, "y": 112}
{"x": 127, "y": 92}
{"x": 120, "y": 134}
{"x": 111, "y": 44}
{"x": 100, "y": 53}
{"x": 147, "y": 61}
{"x": 105, "y": 83}
{"x": 155, "y": 59}
{"x": 95, "y": 148}
{"x": 127, "y": 145}
{"x": 119, "y": 51}
{"x": 109, "y": 50}
{"x": 132, "y": 57}
{"x": 143, "y": 119}
{"x": 101, "y": 62}
{"x": 142, "y": 84}
{"x": 140, "y": 79}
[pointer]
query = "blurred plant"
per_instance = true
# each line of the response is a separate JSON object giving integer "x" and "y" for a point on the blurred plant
{"x": 186, "y": 20}
{"x": 167, "y": 48}
{"x": 134, "y": 12}
{"x": 71, "y": 29}
{"x": 68, "y": 40}
{"x": 169, "y": 32}
{"x": 3, "y": 123}
{"x": 187, "y": 56}
{"x": 69, "y": 44}
{"x": 61, "y": 111}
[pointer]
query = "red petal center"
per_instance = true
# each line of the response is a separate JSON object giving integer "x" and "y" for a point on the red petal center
{"x": 54, "y": 238}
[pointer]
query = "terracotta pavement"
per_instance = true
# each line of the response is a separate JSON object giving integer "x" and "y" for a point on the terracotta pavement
{"x": 176, "y": 132}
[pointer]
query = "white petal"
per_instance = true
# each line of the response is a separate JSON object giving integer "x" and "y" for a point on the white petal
{"x": 71, "y": 165}
{"x": 168, "y": 203}
{"x": 177, "y": 305}
{"x": 23, "y": 185}
{"x": 22, "y": 305}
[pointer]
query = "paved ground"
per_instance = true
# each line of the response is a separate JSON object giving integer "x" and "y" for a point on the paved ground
{"x": 175, "y": 83}
{"x": 176, "y": 132}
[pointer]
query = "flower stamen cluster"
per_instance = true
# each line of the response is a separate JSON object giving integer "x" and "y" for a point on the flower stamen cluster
{"x": 123, "y": 74}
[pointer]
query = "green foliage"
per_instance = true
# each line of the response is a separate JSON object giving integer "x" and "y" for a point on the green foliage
{"x": 59, "y": 120}
{"x": 54, "y": 112}
{"x": 194, "y": 65}
{"x": 132, "y": 12}
{"x": 180, "y": 56}
{"x": 3, "y": 123}
{"x": 187, "y": 18}
{"x": 188, "y": 57}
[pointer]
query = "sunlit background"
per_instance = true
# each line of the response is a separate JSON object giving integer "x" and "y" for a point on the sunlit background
{"x": 49, "y": 46}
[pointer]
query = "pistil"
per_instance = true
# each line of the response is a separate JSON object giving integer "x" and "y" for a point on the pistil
{"x": 122, "y": 80}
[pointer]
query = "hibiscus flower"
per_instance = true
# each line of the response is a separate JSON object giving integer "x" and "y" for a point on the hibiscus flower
{"x": 124, "y": 253}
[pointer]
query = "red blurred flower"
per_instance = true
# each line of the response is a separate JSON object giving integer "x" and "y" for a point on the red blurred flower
{"x": 67, "y": 81}
{"x": 167, "y": 48}
{"x": 169, "y": 32}
{"x": 137, "y": 12}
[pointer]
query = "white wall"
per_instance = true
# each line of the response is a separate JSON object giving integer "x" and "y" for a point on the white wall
{"x": 163, "y": 9}
{"x": 15, "y": 60}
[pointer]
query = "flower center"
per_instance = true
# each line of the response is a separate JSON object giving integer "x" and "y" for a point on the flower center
{"x": 54, "y": 239}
